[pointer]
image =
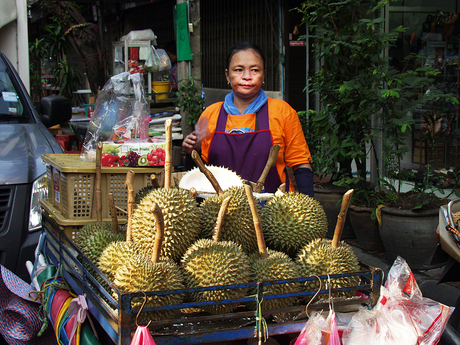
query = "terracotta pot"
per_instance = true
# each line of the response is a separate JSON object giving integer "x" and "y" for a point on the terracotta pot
{"x": 365, "y": 229}
{"x": 411, "y": 235}
{"x": 330, "y": 200}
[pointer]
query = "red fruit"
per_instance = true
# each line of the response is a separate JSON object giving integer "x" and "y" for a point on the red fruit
{"x": 161, "y": 163}
{"x": 152, "y": 163}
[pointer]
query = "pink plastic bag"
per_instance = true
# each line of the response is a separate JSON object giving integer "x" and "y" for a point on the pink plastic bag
{"x": 142, "y": 337}
{"x": 320, "y": 331}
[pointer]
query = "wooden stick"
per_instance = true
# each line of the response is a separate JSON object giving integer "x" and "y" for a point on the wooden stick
{"x": 199, "y": 162}
{"x": 98, "y": 190}
{"x": 113, "y": 213}
{"x": 121, "y": 209}
{"x": 129, "y": 185}
{"x": 341, "y": 218}
{"x": 159, "y": 236}
{"x": 255, "y": 217}
{"x": 154, "y": 181}
{"x": 220, "y": 218}
{"x": 168, "y": 153}
{"x": 273, "y": 155}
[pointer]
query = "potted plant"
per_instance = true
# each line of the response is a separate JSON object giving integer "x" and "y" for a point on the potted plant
{"x": 348, "y": 42}
{"x": 408, "y": 219}
{"x": 362, "y": 96}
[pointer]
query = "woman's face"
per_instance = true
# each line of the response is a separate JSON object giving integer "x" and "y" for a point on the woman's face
{"x": 246, "y": 74}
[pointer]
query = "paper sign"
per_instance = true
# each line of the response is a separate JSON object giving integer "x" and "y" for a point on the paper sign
{"x": 9, "y": 96}
{"x": 184, "y": 52}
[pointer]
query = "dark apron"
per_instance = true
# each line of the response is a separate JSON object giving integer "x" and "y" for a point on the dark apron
{"x": 245, "y": 153}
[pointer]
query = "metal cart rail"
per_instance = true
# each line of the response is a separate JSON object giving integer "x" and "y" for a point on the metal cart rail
{"x": 116, "y": 316}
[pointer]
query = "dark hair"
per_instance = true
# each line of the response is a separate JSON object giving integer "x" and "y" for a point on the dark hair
{"x": 171, "y": 47}
{"x": 244, "y": 46}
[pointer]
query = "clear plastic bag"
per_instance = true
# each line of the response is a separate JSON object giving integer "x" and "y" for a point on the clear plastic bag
{"x": 401, "y": 316}
{"x": 157, "y": 61}
{"x": 116, "y": 114}
{"x": 320, "y": 330}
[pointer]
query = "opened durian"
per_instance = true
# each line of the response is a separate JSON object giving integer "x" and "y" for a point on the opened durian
{"x": 323, "y": 256}
{"x": 180, "y": 212}
{"x": 210, "y": 262}
{"x": 196, "y": 179}
{"x": 271, "y": 265}
{"x": 150, "y": 273}
{"x": 292, "y": 220}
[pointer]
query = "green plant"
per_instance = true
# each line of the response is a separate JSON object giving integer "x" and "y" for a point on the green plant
{"x": 37, "y": 53}
{"x": 54, "y": 46}
{"x": 348, "y": 42}
{"x": 189, "y": 99}
{"x": 67, "y": 78}
{"x": 362, "y": 96}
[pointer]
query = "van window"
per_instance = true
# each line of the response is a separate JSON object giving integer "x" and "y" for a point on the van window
{"x": 11, "y": 106}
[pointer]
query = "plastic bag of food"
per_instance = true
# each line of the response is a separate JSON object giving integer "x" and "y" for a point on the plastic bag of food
{"x": 157, "y": 61}
{"x": 320, "y": 330}
{"x": 401, "y": 316}
{"x": 114, "y": 110}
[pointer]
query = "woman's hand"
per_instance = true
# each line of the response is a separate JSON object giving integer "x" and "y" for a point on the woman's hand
{"x": 191, "y": 143}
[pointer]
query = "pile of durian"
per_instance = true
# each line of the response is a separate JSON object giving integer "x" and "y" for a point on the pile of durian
{"x": 172, "y": 241}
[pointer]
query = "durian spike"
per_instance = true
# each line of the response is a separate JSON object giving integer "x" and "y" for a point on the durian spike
{"x": 199, "y": 162}
{"x": 341, "y": 218}
{"x": 154, "y": 181}
{"x": 257, "y": 225}
{"x": 113, "y": 213}
{"x": 168, "y": 153}
{"x": 98, "y": 191}
{"x": 220, "y": 219}
{"x": 159, "y": 236}
{"x": 273, "y": 155}
{"x": 129, "y": 185}
{"x": 193, "y": 192}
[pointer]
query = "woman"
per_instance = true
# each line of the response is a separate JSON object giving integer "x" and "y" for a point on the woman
{"x": 242, "y": 129}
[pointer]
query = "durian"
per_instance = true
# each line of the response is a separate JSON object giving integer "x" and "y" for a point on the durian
{"x": 323, "y": 256}
{"x": 181, "y": 214}
{"x": 238, "y": 226}
{"x": 150, "y": 273}
{"x": 210, "y": 262}
{"x": 271, "y": 265}
{"x": 292, "y": 220}
{"x": 180, "y": 211}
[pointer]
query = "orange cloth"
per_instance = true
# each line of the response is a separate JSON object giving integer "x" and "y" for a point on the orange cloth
{"x": 285, "y": 130}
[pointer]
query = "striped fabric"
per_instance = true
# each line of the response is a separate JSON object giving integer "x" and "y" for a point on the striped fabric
{"x": 19, "y": 315}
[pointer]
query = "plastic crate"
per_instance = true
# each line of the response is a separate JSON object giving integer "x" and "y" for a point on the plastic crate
{"x": 71, "y": 186}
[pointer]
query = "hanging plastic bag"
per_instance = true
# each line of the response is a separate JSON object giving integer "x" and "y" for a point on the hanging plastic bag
{"x": 117, "y": 114}
{"x": 142, "y": 336}
{"x": 157, "y": 61}
{"x": 152, "y": 64}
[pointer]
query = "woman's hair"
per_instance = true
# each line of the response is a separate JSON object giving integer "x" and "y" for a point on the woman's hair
{"x": 244, "y": 46}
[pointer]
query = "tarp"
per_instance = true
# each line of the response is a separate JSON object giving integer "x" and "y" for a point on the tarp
{"x": 8, "y": 12}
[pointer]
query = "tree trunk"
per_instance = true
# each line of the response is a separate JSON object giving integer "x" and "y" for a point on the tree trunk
{"x": 84, "y": 40}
